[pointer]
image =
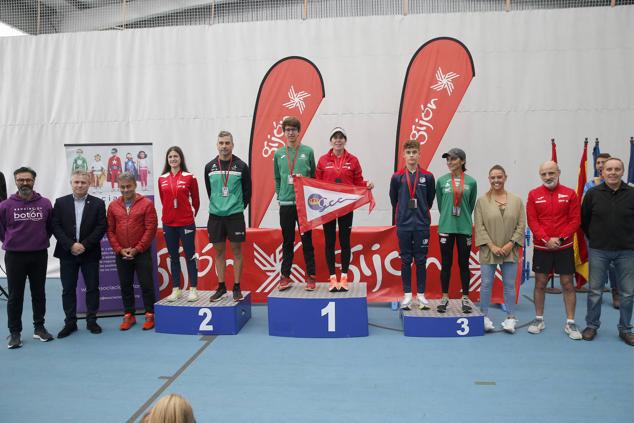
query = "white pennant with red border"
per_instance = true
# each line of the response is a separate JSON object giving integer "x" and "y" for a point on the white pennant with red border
{"x": 319, "y": 202}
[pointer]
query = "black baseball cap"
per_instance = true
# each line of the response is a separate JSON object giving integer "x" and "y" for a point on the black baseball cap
{"x": 455, "y": 152}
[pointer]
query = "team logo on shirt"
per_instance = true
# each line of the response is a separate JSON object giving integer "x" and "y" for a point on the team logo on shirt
{"x": 22, "y": 214}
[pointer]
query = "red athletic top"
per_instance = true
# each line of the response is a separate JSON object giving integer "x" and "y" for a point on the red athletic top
{"x": 343, "y": 170}
{"x": 180, "y": 187}
{"x": 551, "y": 214}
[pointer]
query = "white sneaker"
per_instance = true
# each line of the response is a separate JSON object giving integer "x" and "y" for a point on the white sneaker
{"x": 488, "y": 324}
{"x": 175, "y": 295}
{"x": 572, "y": 331}
{"x": 193, "y": 295}
{"x": 407, "y": 301}
{"x": 536, "y": 326}
{"x": 422, "y": 302}
{"x": 509, "y": 325}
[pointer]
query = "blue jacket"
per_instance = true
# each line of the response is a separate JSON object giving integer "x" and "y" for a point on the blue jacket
{"x": 412, "y": 219}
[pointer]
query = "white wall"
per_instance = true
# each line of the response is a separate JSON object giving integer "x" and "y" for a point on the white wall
{"x": 539, "y": 74}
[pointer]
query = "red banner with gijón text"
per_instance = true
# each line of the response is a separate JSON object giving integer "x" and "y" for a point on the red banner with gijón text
{"x": 292, "y": 87}
{"x": 375, "y": 261}
{"x": 436, "y": 80}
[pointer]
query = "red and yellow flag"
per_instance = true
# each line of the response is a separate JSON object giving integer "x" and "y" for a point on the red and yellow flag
{"x": 580, "y": 247}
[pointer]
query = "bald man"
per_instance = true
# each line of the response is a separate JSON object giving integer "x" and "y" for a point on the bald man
{"x": 553, "y": 213}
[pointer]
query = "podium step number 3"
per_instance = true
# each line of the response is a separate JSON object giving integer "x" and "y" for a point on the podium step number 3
{"x": 453, "y": 323}
{"x": 318, "y": 314}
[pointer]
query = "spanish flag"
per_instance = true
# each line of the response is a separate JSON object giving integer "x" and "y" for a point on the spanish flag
{"x": 580, "y": 247}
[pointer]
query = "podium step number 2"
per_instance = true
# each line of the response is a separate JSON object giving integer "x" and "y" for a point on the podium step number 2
{"x": 224, "y": 317}
{"x": 318, "y": 314}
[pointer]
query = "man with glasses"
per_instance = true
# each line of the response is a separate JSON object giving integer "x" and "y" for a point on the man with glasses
{"x": 294, "y": 159}
{"x": 25, "y": 229}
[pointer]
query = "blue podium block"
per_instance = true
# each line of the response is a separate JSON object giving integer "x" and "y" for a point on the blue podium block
{"x": 453, "y": 323}
{"x": 318, "y": 314}
{"x": 224, "y": 317}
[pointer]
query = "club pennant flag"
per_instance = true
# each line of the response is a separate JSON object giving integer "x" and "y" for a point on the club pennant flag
{"x": 292, "y": 87}
{"x": 579, "y": 245}
{"x": 436, "y": 80}
{"x": 319, "y": 202}
{"x": 553, "y": 150}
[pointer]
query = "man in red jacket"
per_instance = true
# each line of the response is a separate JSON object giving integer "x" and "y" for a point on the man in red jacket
{"x": 132, "y": 224}
{"x": 554, "y": 216}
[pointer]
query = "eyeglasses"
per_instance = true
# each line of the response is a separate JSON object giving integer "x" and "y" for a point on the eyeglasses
{"x": 24, "y": 181}
{"x": 291, "y": 130}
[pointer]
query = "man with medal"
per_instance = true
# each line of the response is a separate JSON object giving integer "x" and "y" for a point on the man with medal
{"x": 294, "y": 159}
{"x": 228, "y": 183}
{"x": 456, "y": 193}
{"x": 412, "y": 194}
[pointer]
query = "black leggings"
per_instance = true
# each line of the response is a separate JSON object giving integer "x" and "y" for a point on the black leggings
{"x": 330, "y": 235}
{"x": 463, "y": 243}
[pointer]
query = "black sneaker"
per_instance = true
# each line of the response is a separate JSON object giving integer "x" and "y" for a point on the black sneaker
{"x": 237, "y": 295}
{"x": 218, "y": 295}
{"x": 42, "y": 334}
{"x": 67, "y": 330}
{"x": 14, "y": 341}
{"x": 442, "y": 307}
{"x": 466, "y": 307}
{"x": 94, "y": 328}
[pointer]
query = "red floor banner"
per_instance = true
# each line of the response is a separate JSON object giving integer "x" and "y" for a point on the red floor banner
{"x": 436, "y": 80}
{"x": 292, "y": 87}
{"x": 375, "y": 261}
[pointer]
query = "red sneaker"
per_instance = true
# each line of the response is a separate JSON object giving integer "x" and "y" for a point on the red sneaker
{"x": 149, "y": 321}
{"x": 128, "y": 321}
{"x": 343, "y": 283}
{"x": 310, "y": 283}
{"x": 334, "y": 285}
{"x": 285, "y": 283}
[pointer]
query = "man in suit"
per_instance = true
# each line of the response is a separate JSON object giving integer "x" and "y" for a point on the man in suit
{"x": 79, "y": 224}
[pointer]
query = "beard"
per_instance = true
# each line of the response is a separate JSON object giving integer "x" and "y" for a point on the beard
{"x": 25, "y": 191}
{"x": 552, "y": 184}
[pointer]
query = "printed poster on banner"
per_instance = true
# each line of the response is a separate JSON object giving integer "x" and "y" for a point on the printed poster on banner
{"x": 104, "y": 162}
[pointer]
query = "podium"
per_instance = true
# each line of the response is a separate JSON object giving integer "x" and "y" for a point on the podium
{"x": 202, "y": 317}
{"x": 453, "y": 323}
{"x": 298, "y": 313}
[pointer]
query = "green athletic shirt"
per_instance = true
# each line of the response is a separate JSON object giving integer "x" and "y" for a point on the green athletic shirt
{"x": 239, "y": 184}
{"x": 305, "y": 166}
{"x": 450, "y": 224}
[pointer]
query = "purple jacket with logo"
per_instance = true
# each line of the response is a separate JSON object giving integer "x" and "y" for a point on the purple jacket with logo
{"x": 25, "y": 225}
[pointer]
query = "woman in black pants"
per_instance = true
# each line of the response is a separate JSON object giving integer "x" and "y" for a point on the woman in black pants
{"x": 340, "y": 167}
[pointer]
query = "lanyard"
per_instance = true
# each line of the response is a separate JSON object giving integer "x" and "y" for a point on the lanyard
{"x": 342, "y": 160}
{"x": 173, "y": 188}
{"x": 226, "y": 176}
{"x": 457, "y": 194}
{"x": 291, "y": 169}
{"x": 410, "y": 188}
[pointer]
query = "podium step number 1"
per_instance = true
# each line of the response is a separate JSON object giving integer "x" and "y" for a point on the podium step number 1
{"x": 320, "y": 313}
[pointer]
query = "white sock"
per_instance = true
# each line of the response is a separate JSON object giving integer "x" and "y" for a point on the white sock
{"x": 569, "y": 321}
{"x": 539, "y": 317}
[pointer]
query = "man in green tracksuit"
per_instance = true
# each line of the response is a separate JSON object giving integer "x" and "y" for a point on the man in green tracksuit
{"x": 456, "y": 194}
{"x": 293, "y": 159}
{"x": 228, "y": 183}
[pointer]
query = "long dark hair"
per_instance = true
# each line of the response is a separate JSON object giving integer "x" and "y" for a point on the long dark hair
{"x": 178, "y": 150}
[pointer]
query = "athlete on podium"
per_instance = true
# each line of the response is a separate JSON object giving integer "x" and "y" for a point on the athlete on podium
{"x": 340, "y": 167}
{"x": 228, "y": 183}
{"x": 456, "y": 193}
{"x": 294, "y": 159}
{"x": 412, "y": 191}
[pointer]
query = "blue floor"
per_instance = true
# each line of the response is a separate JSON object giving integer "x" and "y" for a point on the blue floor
{"x": 385, "y": 377}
